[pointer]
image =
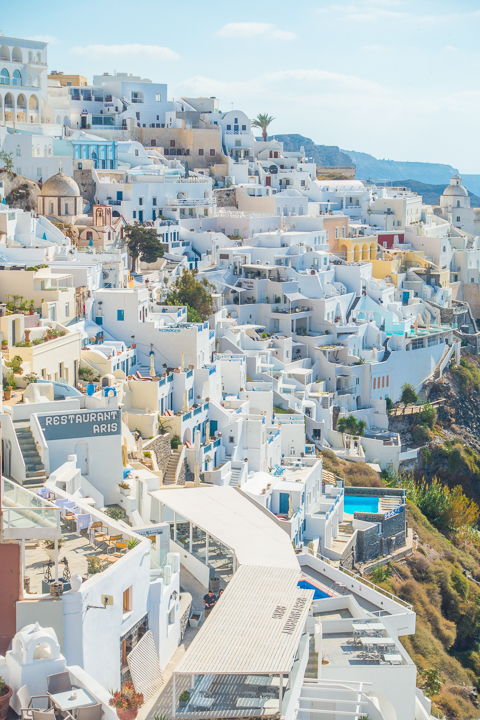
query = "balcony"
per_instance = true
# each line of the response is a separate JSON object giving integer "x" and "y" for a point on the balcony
{"x": 27, "y": 516}
{"x": 190, "y": 202}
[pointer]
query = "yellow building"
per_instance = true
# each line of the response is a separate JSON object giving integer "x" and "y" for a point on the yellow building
{"x": 358, "y": 249}
{"x": 69, "y": 80}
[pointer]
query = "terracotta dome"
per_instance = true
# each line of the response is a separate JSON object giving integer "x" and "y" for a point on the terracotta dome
{"x": 60, "y": 185}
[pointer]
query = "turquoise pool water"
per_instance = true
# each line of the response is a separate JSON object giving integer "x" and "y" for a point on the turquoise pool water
{"x": 309, "y": 585}
{"x": 359, "y": 503}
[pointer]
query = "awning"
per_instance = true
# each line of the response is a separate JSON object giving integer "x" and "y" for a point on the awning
{"x": 295, "y": 296}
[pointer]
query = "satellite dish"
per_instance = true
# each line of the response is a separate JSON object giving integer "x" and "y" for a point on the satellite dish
{"x": 273, "y": 169}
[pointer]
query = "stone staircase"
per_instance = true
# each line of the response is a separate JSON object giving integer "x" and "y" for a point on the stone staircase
{"x": 35, "y": 471}
{"x": 169, "y": 477}
{"x": 235, "y": 477}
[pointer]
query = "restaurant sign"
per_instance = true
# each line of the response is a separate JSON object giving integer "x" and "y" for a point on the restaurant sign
{"x": 80, "y": 424}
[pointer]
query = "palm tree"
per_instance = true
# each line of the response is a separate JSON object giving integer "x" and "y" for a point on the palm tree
{"x": 262, "y": 121}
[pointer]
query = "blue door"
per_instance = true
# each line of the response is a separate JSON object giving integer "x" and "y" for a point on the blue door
{"x": 283, "y": 505}
{"x": 213, "y": 427}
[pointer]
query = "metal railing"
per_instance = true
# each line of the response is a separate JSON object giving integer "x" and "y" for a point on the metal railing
{"x": 360, "y": 579}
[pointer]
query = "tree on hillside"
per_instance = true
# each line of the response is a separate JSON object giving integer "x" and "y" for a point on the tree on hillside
{"x": 7, "y": 159}
{"x": 351, "y": 426}
{"x": 409, "y": 396}
{"x": 195, "y": 294}
{"x": 143, "y": 243}
{"x": 262, "y": 121}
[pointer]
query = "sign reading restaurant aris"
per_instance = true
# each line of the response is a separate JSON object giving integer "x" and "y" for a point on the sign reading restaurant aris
{"x": 80, "y": 424}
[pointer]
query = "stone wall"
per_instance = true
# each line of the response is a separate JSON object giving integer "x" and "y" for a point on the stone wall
{"x": 392, "y": 535}
{"x": 160, "y": 445}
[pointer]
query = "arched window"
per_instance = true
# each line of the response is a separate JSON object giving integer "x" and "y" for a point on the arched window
{"x": 17, "y": 78}
{"x": 4, "y": 77}
{"x": 17, "y": 55}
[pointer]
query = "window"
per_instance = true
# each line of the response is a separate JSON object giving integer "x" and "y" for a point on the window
{"x": 244, "y": 127}
{"x": 120, "y": 314}
{"x": 343, "y": 231}
{"x": 4, "y": 77}
{"x": 388, "y": 380}
{"x": 137, "y": 116}
{"x": 236, "y": 120}
{"x": 166, "y": 151}
{"x": 172, "y": 143}
{"x": 66, "y": 209}
{"x": 212, "y": 153}
{"x": 134, "y": 214}
{"x": 153, "y": 143}
{"x": 458, "y": 218}
{"x": 67, "y": 309}
{"x": 190, "y": 394}
{"x": 136, "y": 153}
{"x": 140, "y": 201}
{"x": 158, "y": 98}
{"x": 374, "y": 383}
{"x": 229, "y": 127}
{"x": 154, "y": 201}
{"x": 127, "y": 600}
{"x": 16, "y": 77}
{"x": 238, "y": 143}
{"x": 458, "y": 203}
{"x": 18, "y": 170}
{"x": 383, "y": 381}
{"x": 200, "y": 152}
{"x": 336, "y": 233}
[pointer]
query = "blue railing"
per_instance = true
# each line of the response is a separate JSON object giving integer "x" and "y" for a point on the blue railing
{"x": 207, "y": 448}
{"x": 212, "y": 369}
{"x": 187, "y": 416}
{"x": 216, "y": 443}
{"x": 205, "y": 407}
{"x": 170, "y": 378}
{"x": 189, "y": 373}
{"x": 212, "y": 334}
{"x": 162, "y": 382}
{"x": 197, "y": 410}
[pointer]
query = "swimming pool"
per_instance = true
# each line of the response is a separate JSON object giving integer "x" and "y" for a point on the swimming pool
{"x": 360, "y": 503}
{"x": 311, "y": 585}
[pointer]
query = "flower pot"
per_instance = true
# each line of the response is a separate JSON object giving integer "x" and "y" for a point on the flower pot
{"x": 125, "y": 491}
{"x": 134, "y": 345}
{"x": 4, "y": 702}
{"x": 7, "y": 394}
{"x": 50, "y": 553}
{"x": 127, "y": 714}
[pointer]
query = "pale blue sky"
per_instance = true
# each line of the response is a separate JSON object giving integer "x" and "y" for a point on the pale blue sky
{"x": 395, "y": 78}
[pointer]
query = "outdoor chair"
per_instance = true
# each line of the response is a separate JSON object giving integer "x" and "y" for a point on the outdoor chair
{"x": 43, "y": 714}
{"x": 98, "y": 532}
{"x": 60, "y": 682}
{"x": 27, "y": 702}
{"x": 91, "y": 712}
{"x": 112, "y": 540}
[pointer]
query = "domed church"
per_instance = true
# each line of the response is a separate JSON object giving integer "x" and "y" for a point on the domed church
{"x": 455, "y": 207}
{"x": 60, "y": 198}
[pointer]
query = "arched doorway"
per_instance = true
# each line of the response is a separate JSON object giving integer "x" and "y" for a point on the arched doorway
{"x": 33, "y": 108}
{"x": 21, "y": 108}
{"x": 9, "y": 107}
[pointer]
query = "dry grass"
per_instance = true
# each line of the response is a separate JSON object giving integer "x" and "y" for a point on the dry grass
{"x": 355, "y": 474}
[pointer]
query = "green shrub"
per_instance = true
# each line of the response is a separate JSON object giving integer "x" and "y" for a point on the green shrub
{"x": 421, "y": 433}
{"x": 115, "y": 513}
{"x": 174, "y": 442}
{"x": 428, "y": 416}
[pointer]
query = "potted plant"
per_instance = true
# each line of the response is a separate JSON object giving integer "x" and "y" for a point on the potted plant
{"x": 7, "y": 392}
{"x": 126, "y": 702}
{"x": 124, "y": 487}
{"x": 4, "y": 344}
{"x": 183, "y": 699}
{"x": 49, "y": 547}
{"x": 133, "y": 344}
{"x": 5, "y": 695}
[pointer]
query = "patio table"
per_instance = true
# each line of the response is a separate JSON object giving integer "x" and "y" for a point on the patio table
{"x": 244, "y": 702}
{"x": 393, "y": 658}
{"x": 264, "y": 681}
{"x": 66, "y": 702}
{"x": 200, "y": 701}
{"x": 378, "y": 641}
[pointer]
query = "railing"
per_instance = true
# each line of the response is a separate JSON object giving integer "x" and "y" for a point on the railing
{"x": 393, "y": 511}
{"x": 216, "y": 443}
{"x": 212, "y": 334}
{"x": 197, "y": 410}
{"x": 187, "y": 416}
{"x": 360, "y": 579}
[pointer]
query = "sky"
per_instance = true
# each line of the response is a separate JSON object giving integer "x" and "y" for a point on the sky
{"x": 398, "y": 79}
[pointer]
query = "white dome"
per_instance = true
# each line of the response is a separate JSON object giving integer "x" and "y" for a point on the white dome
{"x": 60, "y": 185}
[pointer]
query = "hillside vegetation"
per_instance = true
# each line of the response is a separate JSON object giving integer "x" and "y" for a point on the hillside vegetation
{"x": 441, "y": 579}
